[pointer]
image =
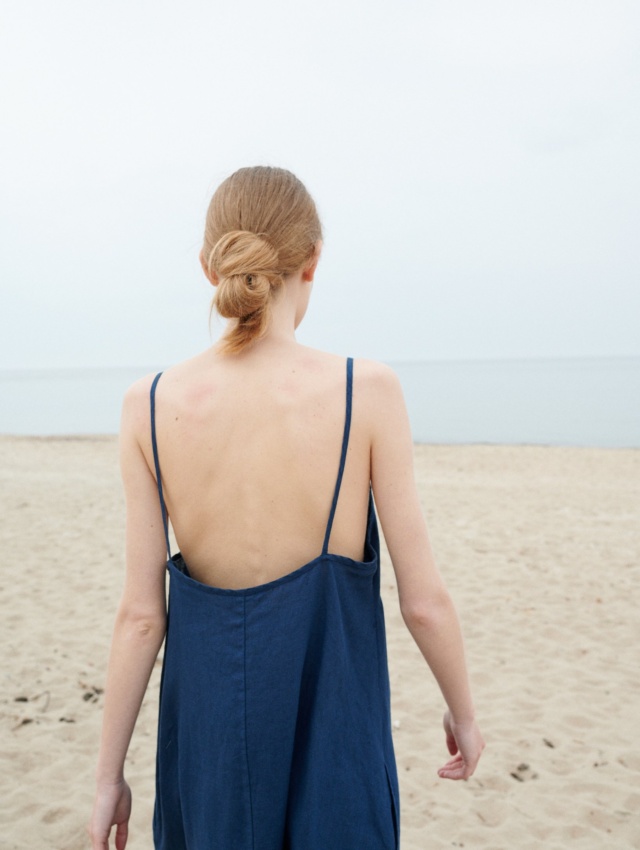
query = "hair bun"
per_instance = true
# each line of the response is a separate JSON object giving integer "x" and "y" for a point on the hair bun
{"x": 244, "y": 252}
{"x": 247, "y": 267}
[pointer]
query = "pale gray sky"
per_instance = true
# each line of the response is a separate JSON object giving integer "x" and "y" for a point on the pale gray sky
{"x": 475, "y": 165}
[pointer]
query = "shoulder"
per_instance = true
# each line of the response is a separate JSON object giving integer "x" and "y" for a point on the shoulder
{"x": 371, "y": 375}
{"x": 378, "y": 397}
{"x": 136, "y": 408}
{"x": 372, "y": 379}
{"x": 139, "y": 391}
{"x": 375, "y": 372}
{"x": 376, "y": 381}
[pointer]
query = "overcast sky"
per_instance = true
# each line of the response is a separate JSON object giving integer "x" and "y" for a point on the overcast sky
{"x": 475, "y": 165}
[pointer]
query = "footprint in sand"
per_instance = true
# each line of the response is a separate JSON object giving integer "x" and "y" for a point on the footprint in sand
{"x": 523, "y": 773}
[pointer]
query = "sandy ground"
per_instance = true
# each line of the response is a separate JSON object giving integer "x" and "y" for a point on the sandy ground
{"x": 540, "y": 547}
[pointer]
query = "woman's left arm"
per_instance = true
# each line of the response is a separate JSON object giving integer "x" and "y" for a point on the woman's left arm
{"x": 140, "y": 622}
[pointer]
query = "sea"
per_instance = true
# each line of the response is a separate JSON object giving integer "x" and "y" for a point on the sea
{"x": 570, "y": 401}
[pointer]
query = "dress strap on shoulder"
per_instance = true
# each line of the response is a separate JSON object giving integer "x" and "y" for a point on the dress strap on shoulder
{"x": 343, "y": 456}
{"x": 157, "y": 462}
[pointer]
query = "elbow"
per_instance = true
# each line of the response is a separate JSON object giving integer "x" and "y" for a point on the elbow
{"x": 428, "y": 614}
{"x": 147, "y": 627}
{"x": 142, "y": 624}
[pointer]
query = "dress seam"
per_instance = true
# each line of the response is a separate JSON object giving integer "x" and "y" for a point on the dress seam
{"x": 246, "y": 742}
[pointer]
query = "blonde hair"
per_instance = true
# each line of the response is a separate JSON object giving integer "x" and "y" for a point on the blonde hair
{"x": 261, "y": 225}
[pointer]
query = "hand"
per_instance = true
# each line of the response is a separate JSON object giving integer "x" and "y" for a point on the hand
{"x": 465, "y": 743}
{"x": 112, "y": 807}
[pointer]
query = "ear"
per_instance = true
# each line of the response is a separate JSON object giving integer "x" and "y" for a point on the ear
{"x": 212, "y": 277}
{"x": 310, "y": 269}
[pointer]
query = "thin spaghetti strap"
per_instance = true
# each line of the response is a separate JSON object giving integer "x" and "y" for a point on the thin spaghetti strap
{"x": 343, "y": 456}
{"x": 157, "y": 462}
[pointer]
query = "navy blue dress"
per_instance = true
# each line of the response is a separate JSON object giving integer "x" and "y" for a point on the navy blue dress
{"x": 274, "y": 725}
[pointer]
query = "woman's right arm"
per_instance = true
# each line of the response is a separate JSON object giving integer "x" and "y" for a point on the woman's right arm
{"x": 425, "y": 603}
{"x": 140, "y": 622}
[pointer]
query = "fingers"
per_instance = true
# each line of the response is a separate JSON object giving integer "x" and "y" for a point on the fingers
{"x": 97, "y": 843}
{"x": 462, "y": 772}
{"x": 451, "y": 744}
{"x": 454, "y": 762}
{"x": 455, "y": 768}
{"x": 122, "y": 833}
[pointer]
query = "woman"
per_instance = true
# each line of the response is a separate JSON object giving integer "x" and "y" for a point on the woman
{"x": 274, "y": 726}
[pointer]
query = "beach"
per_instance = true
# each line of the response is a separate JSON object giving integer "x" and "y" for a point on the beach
{"x": 540, "y": 548}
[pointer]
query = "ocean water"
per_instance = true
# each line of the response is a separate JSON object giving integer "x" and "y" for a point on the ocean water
{"x": 544, "y": 401}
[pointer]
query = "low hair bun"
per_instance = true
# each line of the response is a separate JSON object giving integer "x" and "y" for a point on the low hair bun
{"x": 247, "y": 267}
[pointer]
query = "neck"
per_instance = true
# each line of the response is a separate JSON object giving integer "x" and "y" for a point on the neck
{"x": 287, "y": 310}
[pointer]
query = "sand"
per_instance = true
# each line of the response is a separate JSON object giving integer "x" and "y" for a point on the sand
{"x": 540, "y": 547}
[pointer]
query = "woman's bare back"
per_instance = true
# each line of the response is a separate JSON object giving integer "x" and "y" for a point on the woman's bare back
{"x": 249, "y": 453}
